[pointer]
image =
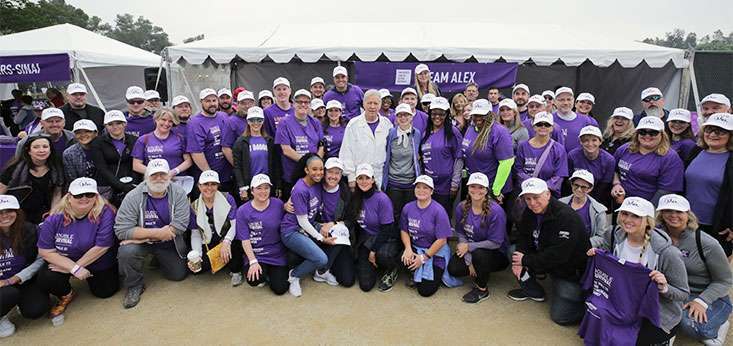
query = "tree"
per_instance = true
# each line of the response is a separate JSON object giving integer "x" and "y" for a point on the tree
{"x": 194, "y": 38}
{"x": 139, "y": 32}
{"x": 678, "y": 39}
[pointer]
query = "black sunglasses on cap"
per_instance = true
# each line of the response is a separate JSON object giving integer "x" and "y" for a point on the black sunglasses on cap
{"x": 652, "y": 98}
{"x": 645, "y": 132}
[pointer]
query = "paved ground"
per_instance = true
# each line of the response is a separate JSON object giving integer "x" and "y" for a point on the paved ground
{"x": 206, "y": 309}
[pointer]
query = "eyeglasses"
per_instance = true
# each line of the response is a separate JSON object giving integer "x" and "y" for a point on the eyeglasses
{"x": 543, "y": 124}
{"x": 548, "y": 98}
{"x": 86, "y": 195}
{"x": 256, "y": 121}
{"x": 303, "y": 102}
{"x": 644, "y": 132}
{"x": 580, "y": 187}
{"x": 652, "y": 98}
{"x": 135, "y": 102}
{"x": 709, "y": 130}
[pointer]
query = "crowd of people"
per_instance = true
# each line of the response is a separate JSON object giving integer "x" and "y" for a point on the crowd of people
{"x": 632, "y": 224}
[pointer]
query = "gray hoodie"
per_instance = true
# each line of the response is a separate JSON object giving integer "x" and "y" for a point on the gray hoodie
{"x": 598, "y": 221}
{"x": 132, "y": 214}
{"x": 68, "y": 135}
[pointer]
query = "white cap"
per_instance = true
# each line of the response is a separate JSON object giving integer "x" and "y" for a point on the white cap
{"x": 8, "y": 202}
{"x": 280, "y": 81}
{"x": 334, "y": 162}
{"x": 259, "y": 179}
{"x": 403, "y": 108}
{"x": 264, "y": 93}
{"x": 536, "y": 99}
{"x": 245, "y": 95}
{"x": 224, "y": 91}
{"x": 427, "y": 97}
{"x": 180, "y": 99}
{"x": 317, "y": 80}
{"x": 548, "y": 93}
{"x": 207, "y": 92}
{"x": 480, "y": 107}
{"x": 586, "y": 97}
{"x": 51, "y": 112}
{"x": 637, "y": 206}
{"x": 408, "y": 90}
{"x": 157, "y": 166}
{"x": 209, "y": 177}
{"x": 591, "y": 130}
{"x": 650, "y": 92}
{"x": 384, "y": 93}
{"x": 520, "y": 86}
{"x": 583, "y": 174}
{"x": 533, "y": 186}
{"x": 722, "y": 120}
{"x": 83, "y": 185}
{"x": 134, "y": 92}
{"x": 302, "y": 92}
{"x": 74, "y": 88}
{"x": 651, "y": 123}
{"x": 84, "y": 124}
{"x": 543, "y": 117}
{"x": 673, "y": 202}
{"x": 717, "y": 98}
{"x": 334, "y": 104}
{"x": 151, "y": 94}
{"x": 478, "y": 178}
{"x": 317, "y": 103}
{"x": 255, "y": 112}
{"x": 425, "y": 180}
{"x": 564, "y": 90}
{"x": 420, "y": 68}
{"x": 365, "y": 169}
{"x": 624, "y": 112}
{"x": 340, "y": 70}
{"x": 114, "y": 116}
{"x": 679, "y": 114}
{"x": 508, "y": 103}
{"x": 440, "y": 103}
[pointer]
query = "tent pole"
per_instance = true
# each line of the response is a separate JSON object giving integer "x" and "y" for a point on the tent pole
{"x": 94, "y": 92}
{"x": 168, "y": 77}
{"x": 693, "y": 80}
{"x": 160, "y": 68}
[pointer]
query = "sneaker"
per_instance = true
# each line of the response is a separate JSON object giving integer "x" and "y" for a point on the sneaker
{"x": 519, "y": 295}
{"x": 132, "y": 297}
{"x": 326, "y": 277}
{"x": 720, "y": 340}
{"x": 388, "y": 280}
{"x": 237, "y": 279}
{"x": 7, "y": 328}
{"x": 62, "y": 304}
{"x": 294, "y": 288}
{"x": 476, "y": 295}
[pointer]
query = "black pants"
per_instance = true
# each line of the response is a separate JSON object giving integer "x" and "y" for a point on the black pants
{"x": 508, "y": 205}
{"x": 103, "y": 283}
{"x": 651, "y": 335}
{"x": 399, "y": 198}
{"x": 446, "y": 201}
{"x": 32, "y": 301}
{"x": 387, "y": 258}
{"x": 236, "y": 263}
{"x": 427, "y": 288}
{"x": 341, "y": 263}
{"x": 277, "y": 276}
{"x": 485, "y": 262}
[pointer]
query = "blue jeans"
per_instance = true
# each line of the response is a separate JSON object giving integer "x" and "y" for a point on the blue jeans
{"x": 314, "y": 257}
{"x": 717, "y": 313}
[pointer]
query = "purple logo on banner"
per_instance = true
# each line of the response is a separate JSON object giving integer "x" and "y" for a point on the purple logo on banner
{"x": 450, "y": 77}
{"x": 34, "y": 68}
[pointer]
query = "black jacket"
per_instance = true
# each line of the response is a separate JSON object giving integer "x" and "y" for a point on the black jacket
{"x": 93, "y": 113}
{"x": 563, "y": 242}
{"x": 111, "y": 166}
{"x": 240, "y": 153}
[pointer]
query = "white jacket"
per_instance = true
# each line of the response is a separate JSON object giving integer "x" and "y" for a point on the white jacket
{"x": 361, "y": 146}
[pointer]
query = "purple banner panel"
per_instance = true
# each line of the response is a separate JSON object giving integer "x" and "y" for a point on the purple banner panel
{"x": 34, "y": 68}
{"x": 450, "y": 77}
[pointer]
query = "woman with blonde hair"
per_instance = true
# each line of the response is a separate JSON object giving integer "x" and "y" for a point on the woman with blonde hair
{"x": 457, "y": 105}
{"x": 162, "y": 143}
{"x": 619, "y": 129}
{"x": 423, "y": 84}
{"x": 509, "y": 117}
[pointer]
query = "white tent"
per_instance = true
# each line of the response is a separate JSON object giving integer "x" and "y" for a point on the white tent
{"x": 105, "y": 65}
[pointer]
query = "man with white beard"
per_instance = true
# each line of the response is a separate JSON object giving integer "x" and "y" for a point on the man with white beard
{"x": 152, "y": 220}
{"x": 652, "y": 103}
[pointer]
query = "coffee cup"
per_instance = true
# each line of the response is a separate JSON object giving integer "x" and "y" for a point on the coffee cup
{"x": 194, "y": 261}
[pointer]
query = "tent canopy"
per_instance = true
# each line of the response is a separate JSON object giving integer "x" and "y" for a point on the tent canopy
{"x": 486, "y": 42}
{"x": 87, "y": 48}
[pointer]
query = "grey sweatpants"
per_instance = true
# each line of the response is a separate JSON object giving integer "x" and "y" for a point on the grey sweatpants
{"x": 131, "y": 257}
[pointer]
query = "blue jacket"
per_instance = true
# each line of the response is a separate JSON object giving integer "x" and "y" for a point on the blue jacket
{"x": 416, "y": 137}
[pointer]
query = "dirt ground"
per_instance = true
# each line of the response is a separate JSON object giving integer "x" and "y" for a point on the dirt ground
{"x": 207, "y": 310}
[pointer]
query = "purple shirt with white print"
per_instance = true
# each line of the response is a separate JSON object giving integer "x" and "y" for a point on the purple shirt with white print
{"x": 205, "y": 135}
{"x": 307, "y": 200}
{"x": 262, "y": 229}
{"x": 643, "y": 175}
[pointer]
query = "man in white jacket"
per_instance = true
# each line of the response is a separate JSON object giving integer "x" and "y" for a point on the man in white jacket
{"x": 365, "y": 139}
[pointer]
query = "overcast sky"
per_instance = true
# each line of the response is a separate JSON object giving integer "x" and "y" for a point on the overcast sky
{"x": 631, "y": 19}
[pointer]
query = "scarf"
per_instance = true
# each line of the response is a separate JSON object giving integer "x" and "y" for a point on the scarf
{"x": 221, "y": 216}
{"x": 403, "y": 137}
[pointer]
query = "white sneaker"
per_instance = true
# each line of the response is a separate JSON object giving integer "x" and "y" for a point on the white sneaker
{"x": 7, "y": 328}
{"x": 720, "y": 340}
{"x": 294, "y": 288}
{"x": 236, "y": 279}
{"x": 326, "y": 277}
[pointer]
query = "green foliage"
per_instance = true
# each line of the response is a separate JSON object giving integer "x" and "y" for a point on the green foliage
{"x": 678, "y": 39}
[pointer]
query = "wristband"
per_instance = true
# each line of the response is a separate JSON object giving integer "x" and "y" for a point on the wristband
{"x": 227, "y": 241}
{"x": 75, "y": 269}
{"x": 252, "y": 261}
{"x": 175, "y": 170}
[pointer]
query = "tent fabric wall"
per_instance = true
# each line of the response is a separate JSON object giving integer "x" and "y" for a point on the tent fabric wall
{"x": 110, "y": 83}
{"x": 714, "y": 74}
{"x": 188, "y": 79}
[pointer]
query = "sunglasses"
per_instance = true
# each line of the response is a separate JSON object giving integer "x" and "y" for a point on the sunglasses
{"x": 86, "y": 195}
{"x": 543, "y": 124}
{"x": 256, "y": 120}
{"x": 652, "y": 98}
{"x": 135, "y": 102}
{"x": 644, "y": 132}
{"x": 715, "y": 130}
{"x": 580, "y": 187}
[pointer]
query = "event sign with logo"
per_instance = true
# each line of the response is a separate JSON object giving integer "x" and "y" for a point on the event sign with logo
{"x": 34, "y": 68}
{"x": 450, "y": 77}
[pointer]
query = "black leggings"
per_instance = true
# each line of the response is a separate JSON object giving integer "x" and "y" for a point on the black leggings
{"x": 484, "y": 261}
{"x": 399, "y": 198}
{"x": 236, "y": 263}
{"x": 427, "y": 288}
{"x": 277, "y": 276}
{"x": 387, "y": 258}
{"x": 651, "y": 335}
{"x": 341, "y": 264}
{"x": 28, "y": 296}
{"x": 103, "y": 283}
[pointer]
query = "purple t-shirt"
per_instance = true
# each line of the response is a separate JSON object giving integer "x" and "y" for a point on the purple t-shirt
{"x": 425, "y": 226}
{"x": 157, "y": 212}
{"x": 419, "y": 121}
{"x": 523, "y": 115}
{"x": 643, "y": 175}
{"x": 351, "y": 99}
{"x": 150, "y": 147}
{"x": 571, "y": 129}
{"x": 307, "y": 200}
{"x": 76, "y": 238}
{"x": 235, "y": 127}
{"x": 139, "y": 125}
{"x": 478, "y": 228}
{"x": 621, "y": 296}
{"x": 303, "y": 139}
{"x": 330, "y": 203}
{"x": 262, "y": 229}
{"x": 11, "y": 263}
{"x": 273, "y": 115}
{"x": 375, "y": 212}
{"x": 486, "y": 160}
{"x": 60, "y": 145}
{"x": 495, "y": 108}
{"x": 119, "y": 145}
{"x": 439, "y": 156}
{"x": 258, "y": 156}
{"x": 552, "y": 171}
{"x": 683, "y": 147}
{"x": 703, "y": 179}
{"x": 584, "y": 213}
{"x": 205, "y": 135}
{"x": 373, "y": 126}
{"x": 602, "y": 167}
{"x": 333, "y": 140}
{"x": 389, "y": 115}
{"x": 181, "y": 129}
